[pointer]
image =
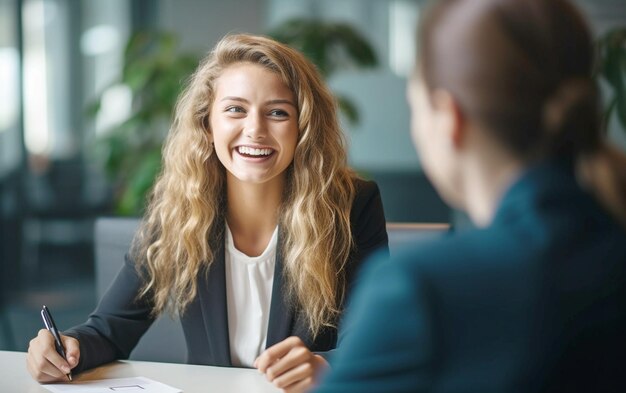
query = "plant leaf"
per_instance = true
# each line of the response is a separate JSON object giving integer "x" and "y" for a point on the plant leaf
{"x": 612, "y": 50}
{"x": 348, "y": 109}
{"x": 93, "y": 108}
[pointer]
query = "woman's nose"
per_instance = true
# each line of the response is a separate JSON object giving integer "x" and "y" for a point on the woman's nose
{"x": 255, "y": 127}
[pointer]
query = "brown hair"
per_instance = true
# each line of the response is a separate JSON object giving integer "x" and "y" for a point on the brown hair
{"x": 183, "y": 224}
{"x": 522, "y": 69}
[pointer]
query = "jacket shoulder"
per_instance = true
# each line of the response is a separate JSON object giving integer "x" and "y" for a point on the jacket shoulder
{"x": 366, "y": 192}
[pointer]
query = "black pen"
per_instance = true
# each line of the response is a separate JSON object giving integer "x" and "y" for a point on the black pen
{"x": 52, "y": 328}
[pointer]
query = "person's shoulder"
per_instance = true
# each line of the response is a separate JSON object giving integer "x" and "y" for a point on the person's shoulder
{"x": 367, "y": 211}
{"x": 366, "y": 191}
{"x": 365, "y": 187}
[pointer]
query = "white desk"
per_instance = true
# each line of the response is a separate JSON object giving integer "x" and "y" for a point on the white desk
{"x": 14, "y": 378}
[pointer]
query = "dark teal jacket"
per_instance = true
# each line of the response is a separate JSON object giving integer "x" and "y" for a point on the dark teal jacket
{"x": 536, "y": 302}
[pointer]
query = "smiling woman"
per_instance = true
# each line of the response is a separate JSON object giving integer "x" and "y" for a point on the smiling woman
{"x": 254, "y": 231}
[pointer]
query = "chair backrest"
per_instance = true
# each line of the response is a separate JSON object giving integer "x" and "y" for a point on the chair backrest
{"x": 113, "y": 237}
{"x": 402, "y": 234}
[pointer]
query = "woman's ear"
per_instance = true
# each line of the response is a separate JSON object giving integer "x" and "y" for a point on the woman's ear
{"x": 448, "y": 117}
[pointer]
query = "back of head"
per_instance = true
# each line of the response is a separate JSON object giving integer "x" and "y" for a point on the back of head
{"x": 522, "y": 70}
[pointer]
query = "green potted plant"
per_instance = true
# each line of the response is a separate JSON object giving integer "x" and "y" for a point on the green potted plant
{"x": 131, "y": 151}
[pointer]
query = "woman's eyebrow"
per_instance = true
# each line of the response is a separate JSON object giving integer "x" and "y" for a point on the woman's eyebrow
{"x": 269, "y": 102}
{"x": 234, "y": 98}
{"x": 280, "y": 101}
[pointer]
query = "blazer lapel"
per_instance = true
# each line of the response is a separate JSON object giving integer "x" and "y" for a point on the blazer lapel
{"x": 281, "y": 313}
{"x": 214, "y": 309}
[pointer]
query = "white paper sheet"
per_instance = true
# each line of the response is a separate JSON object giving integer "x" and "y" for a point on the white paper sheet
{"x": 123, "y": 385}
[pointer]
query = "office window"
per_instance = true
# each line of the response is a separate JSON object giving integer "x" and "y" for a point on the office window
{"x": 10, "y": 145}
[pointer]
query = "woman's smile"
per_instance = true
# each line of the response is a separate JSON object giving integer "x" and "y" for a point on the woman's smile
{"x": 254, "y": 154}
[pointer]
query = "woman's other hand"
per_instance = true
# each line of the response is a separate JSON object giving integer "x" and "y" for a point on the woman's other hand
{"x": 290, "y": 366}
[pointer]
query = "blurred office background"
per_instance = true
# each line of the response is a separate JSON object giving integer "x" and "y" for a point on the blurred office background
{"x": 58, "y": 56}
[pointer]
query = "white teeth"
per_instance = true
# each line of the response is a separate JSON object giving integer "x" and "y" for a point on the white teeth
{"x": 254, "y": 152}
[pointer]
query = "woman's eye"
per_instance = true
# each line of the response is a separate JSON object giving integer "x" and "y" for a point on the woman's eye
{"x": 279, "y": 113}
{"x": 235, "y": 109}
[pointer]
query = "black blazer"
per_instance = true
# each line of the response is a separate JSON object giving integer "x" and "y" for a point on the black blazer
{"x": 119, "y": 321}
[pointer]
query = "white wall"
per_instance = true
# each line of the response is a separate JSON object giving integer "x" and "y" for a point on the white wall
{"x": 201, "y": 23}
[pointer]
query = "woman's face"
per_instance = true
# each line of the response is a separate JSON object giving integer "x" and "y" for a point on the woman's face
{"x": 431, "y": 131}
{"x": 254, "y": 123}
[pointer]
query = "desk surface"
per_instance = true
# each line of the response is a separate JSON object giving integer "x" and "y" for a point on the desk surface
{"x": 188, "y": 378}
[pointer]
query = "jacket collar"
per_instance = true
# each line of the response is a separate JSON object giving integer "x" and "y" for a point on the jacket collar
{"x": 545, "y": 181}
{"x": 215, "y": 311}
{"x": 281, "y": 313}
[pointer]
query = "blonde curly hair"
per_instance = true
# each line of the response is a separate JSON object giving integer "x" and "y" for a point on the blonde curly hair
{"x": 183, "y": 224}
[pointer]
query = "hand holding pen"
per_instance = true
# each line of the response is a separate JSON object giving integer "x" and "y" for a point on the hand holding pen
{"x": 51, "y": 356}
{"x": 52, "y": 328}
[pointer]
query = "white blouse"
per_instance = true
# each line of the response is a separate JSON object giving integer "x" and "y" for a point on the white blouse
{"x": 248, "y": 297}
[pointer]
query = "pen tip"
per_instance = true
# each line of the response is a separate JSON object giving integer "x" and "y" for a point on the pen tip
{"x": 69, "y": 376}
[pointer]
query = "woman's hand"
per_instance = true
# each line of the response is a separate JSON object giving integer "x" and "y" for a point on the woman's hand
{"x": 45, "y": 364}
{"x": 290, "y": 366}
